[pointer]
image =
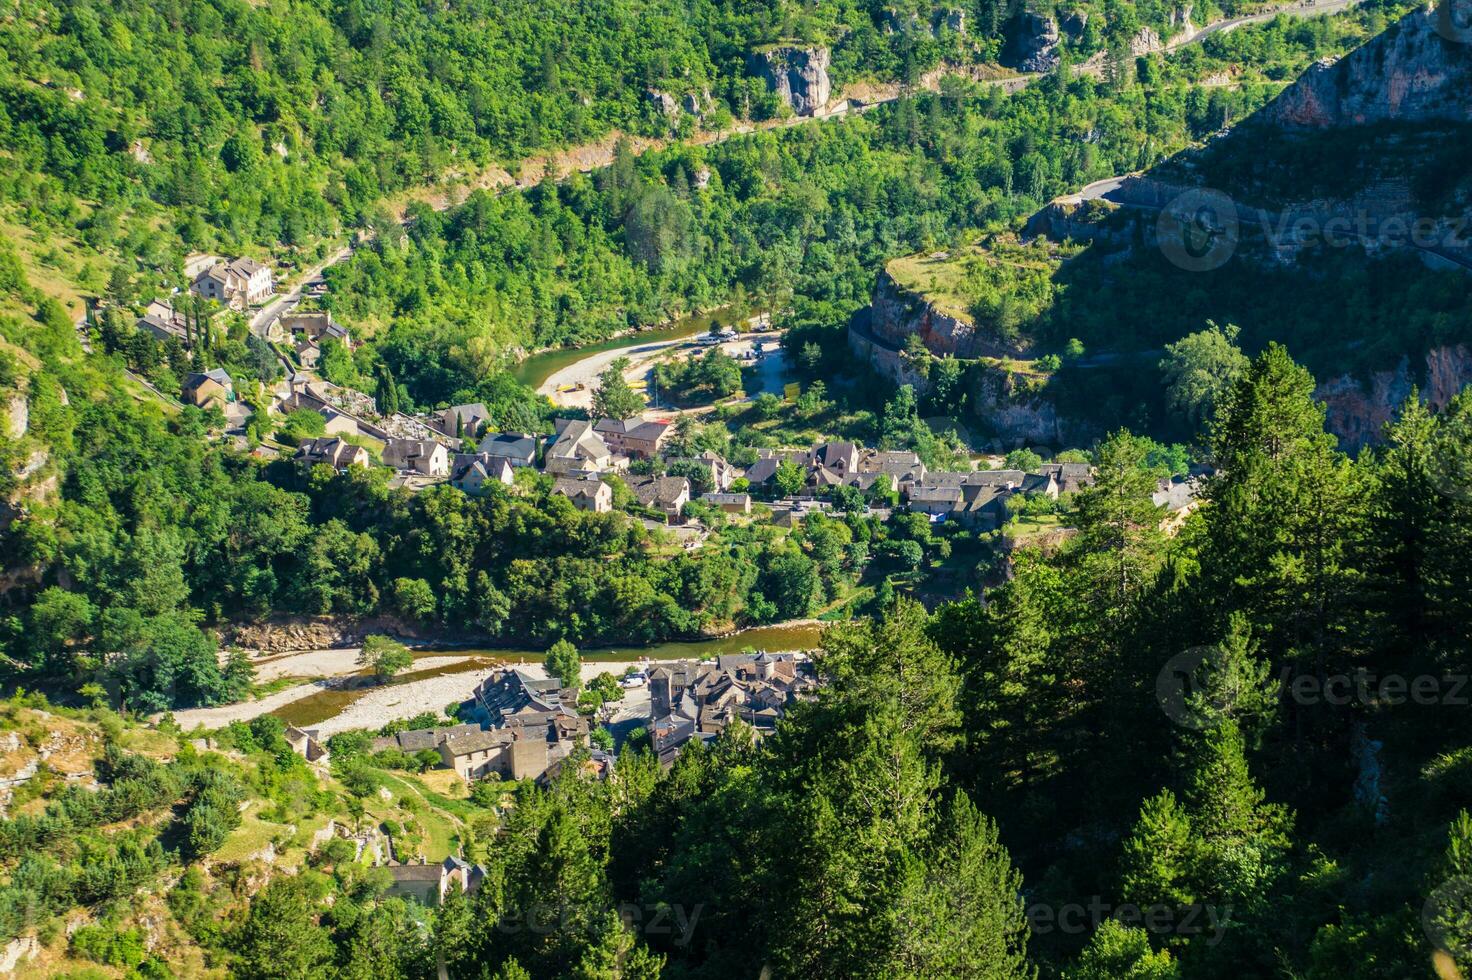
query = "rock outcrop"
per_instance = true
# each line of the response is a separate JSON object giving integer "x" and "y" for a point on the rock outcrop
{"x": 1032, "y": 43}
{"x": 1357, "y": 412}
{"x": 1418, "y": 70}
{"x": 896, "y": 315}
{"x": 798, "y": 75}
{"x": 18, "y": 416}
{"x": 1146, "y": 41}
{"x": 663, "y": 101}
{"x": 1075, "y": 24}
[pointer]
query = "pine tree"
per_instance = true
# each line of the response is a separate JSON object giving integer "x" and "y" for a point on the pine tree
{"x": 1449, "y": 559}
{"x": 1119, "y": 525}
{"x": 1282, "y": 512}
{"x": 1160, "y": 855}
{"x": 387, "y": 392}
{"x": 1244, "y": 839}
{"x": 960, "y": 910}
{"x": 613, "y": 953}
{"x": 1405, "y": 509}
{"x": 1014, "y": 692}
{"x": 894, "y": 662}
{"x": 280, "y": 938}
{"x": 557, "y": 892}
{"x": 1448, "y": 910}
{"x": 1120, "y": 952}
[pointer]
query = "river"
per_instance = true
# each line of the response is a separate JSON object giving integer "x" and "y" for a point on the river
{"x": 536, "y": 369}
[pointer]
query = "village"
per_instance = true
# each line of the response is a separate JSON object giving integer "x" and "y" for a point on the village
{"x": 522, "y": 723}
{"x": 585, "y": 458}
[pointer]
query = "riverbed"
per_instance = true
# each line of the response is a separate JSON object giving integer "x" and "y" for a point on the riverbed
{"x": 342, "y": 695}
{"x": 534, "y": 371}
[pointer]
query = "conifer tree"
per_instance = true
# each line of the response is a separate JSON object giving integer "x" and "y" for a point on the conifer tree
{"x": 1281, "y": 514}
{"x": 1160, "y": 855}
{"x": 1120, "y": 952}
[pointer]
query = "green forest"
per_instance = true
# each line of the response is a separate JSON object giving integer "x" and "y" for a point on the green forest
{"x": 1233, "y": 751}
{"x": 1223, "y": 742}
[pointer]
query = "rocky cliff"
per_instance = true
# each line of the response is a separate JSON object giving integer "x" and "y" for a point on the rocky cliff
{"x": 1032, "y": 43}
{"x": 1418, "y": 70}
{"x": 1358, "y": 411}
{"x": 896, "y": 315}
{"x": 798, "y": 75}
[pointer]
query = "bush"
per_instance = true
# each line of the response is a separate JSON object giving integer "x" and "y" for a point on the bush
{"x": 104, "y": 943}
{"x": 356, "y": 742}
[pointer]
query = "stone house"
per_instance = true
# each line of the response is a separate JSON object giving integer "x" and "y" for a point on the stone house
{"x": 729, "y": 503}
{"x": 423, "y": 456}
{"x": 316, "y": 326}
{"x": 308, "y": 353}
{"x": 841, "y": 458}
{"x": 578, "y": 450}
{"x": 430, "y": 884}
{"x": 335, "y": 452}
{"x": 590, "y": 494}
{"x": 1044, "y": 483}
{"x": 414, "y": 740}
{"x": 666, "y": 494}
{"x": 633, "y": 436}
{"x": 470, "y": 472}
{"x": 475, "y": 755}
{"x": 1070, "y": 477}
{"x": 238, "y": 284}
{"x": 464, "y": 421}
{"x": 305, "y": 743}
{"x": 936, "y": 501}
{"x": 517, "y": 448}
{"x": 208, "y": 388}
{"x": 165, "y": 323}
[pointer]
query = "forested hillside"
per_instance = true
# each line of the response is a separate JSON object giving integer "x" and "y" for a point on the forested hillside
{"x": 156, "y": 127}
{"x": 800, "y": 217}
{"x": 1231, "y": 752}
{"x": 244, "y": 124}
{"x": 1226, "y": 741}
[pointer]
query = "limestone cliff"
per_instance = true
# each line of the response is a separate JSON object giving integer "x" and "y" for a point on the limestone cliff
{"x": 897, "y": 314}
{"x": 798, "y": 75}
{"x": 1418, "y": 70}
{"x": 1032, "y": 43}
{"x": 1357, "y": 412}
{"x": 1007, "y": 405}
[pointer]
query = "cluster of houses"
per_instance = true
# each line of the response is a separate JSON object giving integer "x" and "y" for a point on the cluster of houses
{"x": 582, "y": 452}
{"x": 528, "y": 729}
{"x": 973, "y": 498}
{"x": 697, "y": 700}
{"x": 523, "y": 729}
